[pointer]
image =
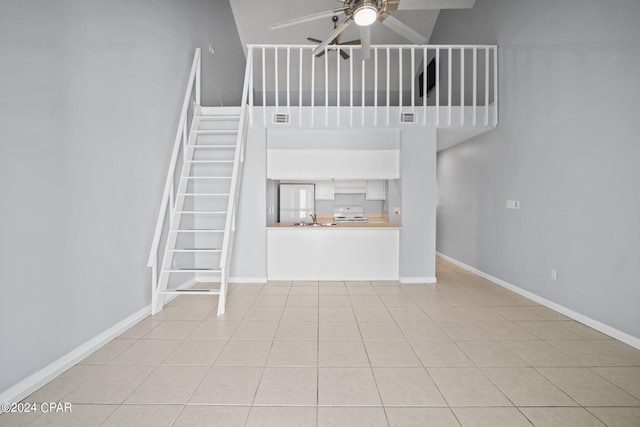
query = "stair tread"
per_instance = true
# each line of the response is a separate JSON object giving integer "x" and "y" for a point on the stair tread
{"x": 191, "y": 292}
{"x": 203, "y": 212}
{"x": 193, "y": 230}
{"x": 215, "y": 131}
{"x": 203, "y": 194}
{"x": 206, "y": 177}
{"x": 208, "y": 161}
{"x": 194, "y": 250}
{"x": 211, "y": 146}
{"x": 218, "y": 116}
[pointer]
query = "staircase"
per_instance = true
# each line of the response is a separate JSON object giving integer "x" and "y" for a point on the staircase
{"x": 197, "y": 226}
{"x": 198, "y": 209}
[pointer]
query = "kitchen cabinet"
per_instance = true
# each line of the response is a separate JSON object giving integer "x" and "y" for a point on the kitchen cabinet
{"x": 332, "y": 164}
{"x": 325, "y": 190}
{"x": 332, "y": 253}
{"x": 375, "y": 190}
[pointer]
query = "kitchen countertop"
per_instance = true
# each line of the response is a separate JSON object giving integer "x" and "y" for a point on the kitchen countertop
{"x": 342, "y": 225}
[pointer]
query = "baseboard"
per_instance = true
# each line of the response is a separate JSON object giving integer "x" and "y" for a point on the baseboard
{"x": 592, "y": 323}
{"x": 36, "y": 380}
{"x": 333, "y": 279}
{"x": 425, "y": 279}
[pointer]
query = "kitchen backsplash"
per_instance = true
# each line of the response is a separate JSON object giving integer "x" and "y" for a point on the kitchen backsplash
{"x": 370, "y": 206}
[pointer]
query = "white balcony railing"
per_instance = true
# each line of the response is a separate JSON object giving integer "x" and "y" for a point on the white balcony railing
{"x": 464, "y": 79}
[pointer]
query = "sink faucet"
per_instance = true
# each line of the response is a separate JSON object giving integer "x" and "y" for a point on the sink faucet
{"x": 314, "y": 217}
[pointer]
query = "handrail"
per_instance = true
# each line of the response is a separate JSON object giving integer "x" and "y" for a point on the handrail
{"x": 194, "y": 76}
{"x": 232, "y": 203}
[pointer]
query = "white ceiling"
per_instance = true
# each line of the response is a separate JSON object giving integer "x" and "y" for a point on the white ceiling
{"x": 253, "y": 16}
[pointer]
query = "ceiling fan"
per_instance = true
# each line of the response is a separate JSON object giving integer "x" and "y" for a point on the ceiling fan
{"x": 336, "y": 41}
{"x": 366, "y": 12}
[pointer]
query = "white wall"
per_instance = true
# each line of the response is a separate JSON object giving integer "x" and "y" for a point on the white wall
{"x": 91, "y": 93}
{"x": 566, "y": 147}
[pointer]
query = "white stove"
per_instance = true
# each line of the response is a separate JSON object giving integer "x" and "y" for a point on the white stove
{"x": 349, "y": 214}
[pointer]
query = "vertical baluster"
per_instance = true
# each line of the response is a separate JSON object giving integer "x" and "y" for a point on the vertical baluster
{"x": 351, "y": 86}
{"x": 495, "y": 86}
{"x": 264, "y": 88}
{"x": 338, "y": 57}
{"x": 288, "y": 88}
{"x": 326, "y": 87}
{"x": 413, "y": 81}
{"x": 300, "y": 89}
{"x": 375, "y": 87}
{"x": 462, "y": 86}
{"x": 475, "y": 86}
{"x": 486, "y": 86}
{"x": 437, "y": 86}
{"x": 424, "y": 85}
{"x": 388, "y": 82}
{"x": 313, "y": 85}
{"x": 363, "y": 66}
{"x": 275, "y": 49}
{"x": 400, "y": 78}
{"x": 450, "y": 66}
{"x": 251, "y": 82}
{"x": 198, "y": 78}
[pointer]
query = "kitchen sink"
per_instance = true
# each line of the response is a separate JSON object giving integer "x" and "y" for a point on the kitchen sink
{"x": 313, "y": 224}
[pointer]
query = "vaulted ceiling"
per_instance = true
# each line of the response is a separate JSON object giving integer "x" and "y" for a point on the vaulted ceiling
{"x": 253, "y": 17}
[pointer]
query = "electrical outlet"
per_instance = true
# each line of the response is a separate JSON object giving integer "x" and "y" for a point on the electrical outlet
{"x": 396, "y": 210}
{"x": 554, "y": 274}
{"x": 513, "y": 204}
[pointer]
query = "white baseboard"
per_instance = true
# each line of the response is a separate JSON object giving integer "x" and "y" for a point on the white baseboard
{"x": 425, "y": 279}
{"x": 599, "y": 326}
{"x": 36, "y": 380}
{"x": 332, "y": 279}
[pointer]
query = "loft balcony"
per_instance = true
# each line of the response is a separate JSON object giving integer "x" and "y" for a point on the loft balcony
{"x": 443, "y": 86}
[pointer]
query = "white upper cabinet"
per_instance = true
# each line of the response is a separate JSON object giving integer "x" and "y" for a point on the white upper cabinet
{"x": 325, "y": 190}
{"x": 325, "y": 155}
{"x": 333, "y": 164}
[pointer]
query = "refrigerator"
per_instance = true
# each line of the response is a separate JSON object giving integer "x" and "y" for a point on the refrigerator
{"x": 296, "y": 202}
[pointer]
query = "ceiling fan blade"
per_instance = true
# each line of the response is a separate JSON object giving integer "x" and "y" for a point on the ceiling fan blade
{"x": 335, "y": 33}
{"x": 351, "y": 42}
{"x": 429, "y": 4}
{"x": 365, "y": 35}
{"x": 344, "y": 54}
{"x": 307, "y": 18}
{"x": 400, "y": 28}
{"x": 311, "y": 39}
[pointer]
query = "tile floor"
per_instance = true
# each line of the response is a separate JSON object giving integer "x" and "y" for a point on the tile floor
{"x": 460, "y": 352}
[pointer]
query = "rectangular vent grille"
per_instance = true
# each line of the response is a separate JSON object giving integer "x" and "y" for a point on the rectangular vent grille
{"x": 280, "y": 119}
{"x": 407, "y": 118}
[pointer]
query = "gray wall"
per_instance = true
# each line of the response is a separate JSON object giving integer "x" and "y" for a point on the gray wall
{"x": 566, "y": 147}
{"x": 91, "y": 93}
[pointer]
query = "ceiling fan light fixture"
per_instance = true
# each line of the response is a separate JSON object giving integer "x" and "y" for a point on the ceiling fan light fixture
{"x": 365, "y": 14}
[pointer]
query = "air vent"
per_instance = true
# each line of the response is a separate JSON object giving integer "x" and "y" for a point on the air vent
{"x": 280, "y": 119}
{"x": 407, "y": 118}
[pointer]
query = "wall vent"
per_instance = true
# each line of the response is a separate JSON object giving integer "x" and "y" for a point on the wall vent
{"x": 407, "y": 118}
{"x": 280, "y": 118}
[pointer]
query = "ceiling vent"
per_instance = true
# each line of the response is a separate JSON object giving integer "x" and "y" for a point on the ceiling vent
{"x": 280, "y": 118}
{"x": 407, "y": 117}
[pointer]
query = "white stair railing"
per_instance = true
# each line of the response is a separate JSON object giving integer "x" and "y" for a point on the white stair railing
{"x": 290, "y": 78}
{"x": 169, "y": 199}
{"x": 234, "y": 191}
